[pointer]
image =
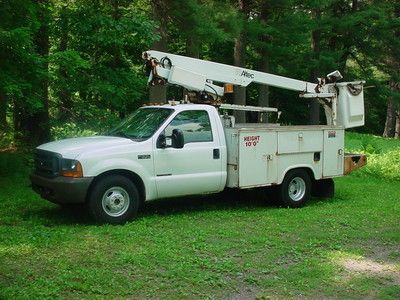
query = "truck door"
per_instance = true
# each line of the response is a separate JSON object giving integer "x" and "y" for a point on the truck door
{"x": 197, "y": 167}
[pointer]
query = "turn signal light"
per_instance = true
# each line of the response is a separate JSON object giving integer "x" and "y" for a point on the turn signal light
{"x": 75, "y": 172}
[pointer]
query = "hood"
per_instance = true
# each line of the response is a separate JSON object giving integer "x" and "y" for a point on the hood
{"x": 71, "y": 148}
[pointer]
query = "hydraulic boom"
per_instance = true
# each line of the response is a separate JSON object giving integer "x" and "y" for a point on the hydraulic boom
{"x": 206, "y": 76}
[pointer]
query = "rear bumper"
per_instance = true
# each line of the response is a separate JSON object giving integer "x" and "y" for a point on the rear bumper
{"x": 353, "y": 162}
{"x": 61, "y": 189}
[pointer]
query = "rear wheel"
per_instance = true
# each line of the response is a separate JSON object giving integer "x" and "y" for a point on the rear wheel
{"x": 295, "y": 189}
{"x": 114, "y": 199}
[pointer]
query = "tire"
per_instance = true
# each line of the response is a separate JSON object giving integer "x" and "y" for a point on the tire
{"x": 295, "y": 189}
{"x": 114, "y": 200}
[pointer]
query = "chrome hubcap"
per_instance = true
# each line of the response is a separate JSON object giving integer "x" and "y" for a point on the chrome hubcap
{"x": 297, "y": 188}
{"x": 115, "y": 201}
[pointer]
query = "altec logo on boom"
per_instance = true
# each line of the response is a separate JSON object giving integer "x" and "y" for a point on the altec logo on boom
{"x": 247, "y": 74}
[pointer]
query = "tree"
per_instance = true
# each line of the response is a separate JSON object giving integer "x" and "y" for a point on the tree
{"x": 239, "y": 57}
{"x": 104, "y": 54}
{"x": 80, "y": 61}
{"x": 23, "y": 68}
{"x": 38, "y": 121}
{"x": 315, "y": 72}
{"x": 392, "y": 123}
{"x": 158, "y": 93}
{"x": 263, "y": 97}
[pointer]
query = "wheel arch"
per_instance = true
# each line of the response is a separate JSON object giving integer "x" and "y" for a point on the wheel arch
{"x": 133, "y": 177}
{"x": 306, "y": 168}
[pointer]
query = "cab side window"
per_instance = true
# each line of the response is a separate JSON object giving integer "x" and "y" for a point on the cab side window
{"x": 195, "y": 125}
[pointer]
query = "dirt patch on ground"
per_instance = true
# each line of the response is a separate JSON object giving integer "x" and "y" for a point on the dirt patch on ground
{"x": 243, "y": 294}
{"x": 372, "y": 268}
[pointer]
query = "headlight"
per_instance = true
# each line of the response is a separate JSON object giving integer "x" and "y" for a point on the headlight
{"x": 71, "y": 168}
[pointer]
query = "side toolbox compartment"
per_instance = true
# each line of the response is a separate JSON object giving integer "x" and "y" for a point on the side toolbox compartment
{"x": 252, "y": 157}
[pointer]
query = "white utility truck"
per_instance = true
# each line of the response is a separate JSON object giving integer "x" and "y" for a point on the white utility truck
{"x": 179, "y": 149}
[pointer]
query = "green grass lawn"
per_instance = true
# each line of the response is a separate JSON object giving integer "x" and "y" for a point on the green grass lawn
{"x": 207, "y": 247}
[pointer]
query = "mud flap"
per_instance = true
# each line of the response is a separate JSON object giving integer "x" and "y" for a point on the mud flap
{"x": 324, "y": 188}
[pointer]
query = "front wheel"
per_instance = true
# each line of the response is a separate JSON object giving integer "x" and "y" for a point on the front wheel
{"x": 114, "y": 199}
{"x": 295, "y": 189}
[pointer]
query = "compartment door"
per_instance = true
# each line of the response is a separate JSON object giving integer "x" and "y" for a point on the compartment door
{"x": 257, "y": 158}
{"x": 333, "y": 152}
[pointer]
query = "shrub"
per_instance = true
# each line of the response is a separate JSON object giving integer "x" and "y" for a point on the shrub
{"x": 15, "y": 164}
{"x": 386, "y": 165}
{"x": 69, "y": 130}
{"x": 383, "y": 155}
{"x": 370, "y": 146}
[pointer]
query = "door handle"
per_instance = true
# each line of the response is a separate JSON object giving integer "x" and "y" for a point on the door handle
{"x": 216, "y": 154}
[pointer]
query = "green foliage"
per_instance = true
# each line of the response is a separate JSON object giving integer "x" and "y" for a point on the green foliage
{"x": 84, "y": 121}
{"x": 370, "y": 146}
{"x": 94, "y": 58}
{"x": 15, "y": 165}
{"x": 104, "y": 66}
{"x": 206, "y": 21}
{"x": 386, "y": 165}
{"x": 6, "y": 139}
{"x": 383, "y": 155}
{"x": 70, "y": 130}
{"x": 18, "y": 63}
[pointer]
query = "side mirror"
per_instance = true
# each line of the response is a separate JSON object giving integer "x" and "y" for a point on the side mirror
{"x": 177, "y": 139}
{"x": 161, "y": 141}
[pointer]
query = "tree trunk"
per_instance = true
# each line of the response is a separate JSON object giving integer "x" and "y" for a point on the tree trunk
{"x": 64, "y": 95}
{"x": 116, "y": 51}
{"x": 390, "y": 123}
{"x": 37, "y": 122}
{"x": 396, "y": 86}
{"x": 315, "y": 73}
{"x": 158, "y": 93}
{"x": 392, "y": 114}
{"x": 192, "y": 47}
{"x": 239, "y": 95}
{"x": 263, "y": 90}
{"x": 239, "y": 54}
{"x": 397, "y": 126}
{"x": 192, "y": 50}
{"x": 3, "y": 110}
{"x": 354, "y": 5}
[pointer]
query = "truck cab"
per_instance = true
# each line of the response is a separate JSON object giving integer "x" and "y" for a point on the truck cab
{"x": 158, "y": 152}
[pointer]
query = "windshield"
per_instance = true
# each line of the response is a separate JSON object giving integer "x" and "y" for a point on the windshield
{"x": 142, "y": 123}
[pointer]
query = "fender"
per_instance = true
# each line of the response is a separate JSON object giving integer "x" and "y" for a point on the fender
{"x": 298, "y": 166}
{"x": 102, "y": 166}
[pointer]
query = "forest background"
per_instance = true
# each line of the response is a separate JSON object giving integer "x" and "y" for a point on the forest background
{"x": 71, "y": 68}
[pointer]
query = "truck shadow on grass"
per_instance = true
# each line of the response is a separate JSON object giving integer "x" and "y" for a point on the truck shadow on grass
{"x": 55, "y": 215}
{"x": 238, "y": 200}
{"x": 235, "y": 200}
{"x": 256, "y": 199}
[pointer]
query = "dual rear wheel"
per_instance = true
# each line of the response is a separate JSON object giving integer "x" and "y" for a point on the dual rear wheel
{"x": 295, "y": 189}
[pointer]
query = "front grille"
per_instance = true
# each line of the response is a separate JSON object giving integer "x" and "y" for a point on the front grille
{"x": 47, "y": 163}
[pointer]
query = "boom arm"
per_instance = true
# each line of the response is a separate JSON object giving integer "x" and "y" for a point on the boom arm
{"x": 196, "y": 74}
{"x": 201, "y": 75}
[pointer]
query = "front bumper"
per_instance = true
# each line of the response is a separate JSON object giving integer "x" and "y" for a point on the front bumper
{"x": 61, "y": 189}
